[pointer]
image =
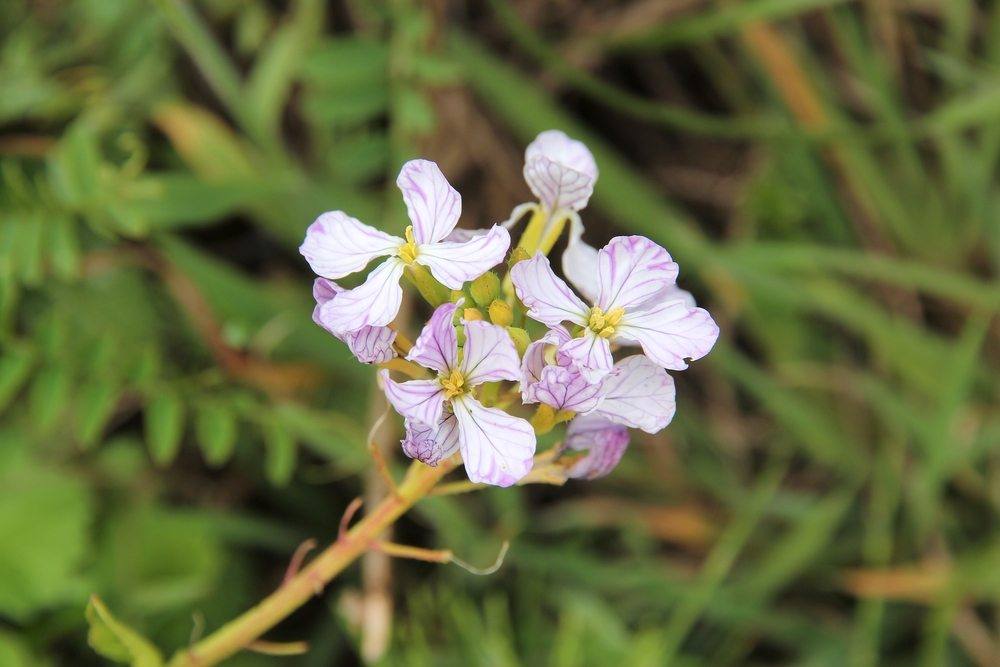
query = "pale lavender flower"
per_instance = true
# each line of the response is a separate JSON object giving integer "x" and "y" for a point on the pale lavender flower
{"x": 604, "y": 442}
{"x": 431, "y": 444}
{"x": 369, "y": 344}
{"x": 639, "y": 394}
{"x": 550, "y": 377}
{"x": 497, "y": 448}
{"x": 337, "y": 245}
{"x": 629, "y": 309}
{"x": 560, "y": 171}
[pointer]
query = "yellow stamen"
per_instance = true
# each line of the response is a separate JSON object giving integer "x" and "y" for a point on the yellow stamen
{"x": 604, "y": 324}
{"x": 453, "y": 384}
{"x": 408, "y": 251}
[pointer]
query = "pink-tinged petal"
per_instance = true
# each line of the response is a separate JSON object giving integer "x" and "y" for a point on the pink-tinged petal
{"x": 604, "y": 442}
{"x": 496, "y": 448}
{"x": 373, "y": 303}
{"x": 431, "y": 444}
{"x": 534, "y": 360}
{"x": 432, "y": 204}
{"x": 639, "y": 394}
{"x": 417, "y": 400}
{"x": 670, "y": 332}
{"x": 454, "y": 264}
{"x": 437, "y": 345}
{"x": 371, "y": 345}
{"x": 579, "y": 262}
{"x": 337, "y": 245}
{"x": 547, "y": 297}
{"x": 631, "y": 269}
{"x": 565, "y": 388}
{"x": 591, "y": 354}
{"x": 560, "y": 171}
{"x": 489, "y": 354}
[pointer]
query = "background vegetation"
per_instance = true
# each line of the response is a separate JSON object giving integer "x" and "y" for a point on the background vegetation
{"x": 174, "y": 425}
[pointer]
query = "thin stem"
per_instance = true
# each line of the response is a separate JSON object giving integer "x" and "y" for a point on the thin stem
{"x": 241, "y": 632}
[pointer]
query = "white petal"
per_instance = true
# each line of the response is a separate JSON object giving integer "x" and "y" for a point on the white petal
{"x": 565, "y": 388}
{"x": 373, "y": 303}
{"x": 534, "y": 360}
{"x": 496, "y": 448}
{"x": 437, "y": 345}
{"x": 591, "y": 354}
{"x": 579, "y": 262}
{"x": 670, "y": 332}
{"x": 431, "y": 444}
{"x": 455, "y": 263}
{"x": 639, "y": 394}
{"x": 604, "y": 442}
{"x": 371, "y": 345}
{"x": 560, "y": 171}
{"x": 631, "y": 269}
{"x": 548, "y": 298}
{"x": 489, "y": 354}
{"x": 337, "y": 245}
{"x": 432, "y": 204}
{"x": 418, "y": 400}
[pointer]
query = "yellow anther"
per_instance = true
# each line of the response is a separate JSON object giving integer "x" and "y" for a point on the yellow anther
{"x": 453, "y": 384}
{"x": 408, "y": 251}
{"x": 604, "y": 324}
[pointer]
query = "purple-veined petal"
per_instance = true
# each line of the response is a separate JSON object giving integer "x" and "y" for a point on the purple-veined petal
{"x": 604, "y": 442}
{"x": 579, "y": 262}
{"x": 432, "y": 204}
{"x": 631, "y": 269}
{"x": 534, "y": 360}
{"x": 431, "y": 444}
{"x": 437, "y": 345}
{"x": 670, "y": 332}
{"x": 560, "y": 171}
{"x": 454, "y": 264}
{"x": 337, "y": 245}
{"x": 489, "y": 354}
{"x": 496, "y": 448}
{"x": 565, "y": 388}
{"x": 548, "y": 298}
{"x": 639, "y": 394}
{"x": 591, "y": 354}
{"x": 417, "y": 400}
{"x": 373, "y": 303}
{"x": 371, "y": 345}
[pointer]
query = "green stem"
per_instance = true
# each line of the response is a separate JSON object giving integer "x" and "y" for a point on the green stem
{"x": 240, "y": 632}
{"x": 433, "y": 292}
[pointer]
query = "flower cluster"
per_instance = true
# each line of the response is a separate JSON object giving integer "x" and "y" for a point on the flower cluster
{"x": 528, "y": 345}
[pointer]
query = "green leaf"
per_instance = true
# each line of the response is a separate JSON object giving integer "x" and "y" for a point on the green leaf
{"x": 75, "y": 165}
{"x": 15, "y": 366}
{"x": 216, "y": 430}
{"x": 95, "y": 405}
{"x": 49, "y": 393}
{"x": 115, "y": 640}
{"x": 164, "y": 419}
{"x": 280, "y": 452}
{"x": 64, "y": 251}
{"x": 44, "y": 519}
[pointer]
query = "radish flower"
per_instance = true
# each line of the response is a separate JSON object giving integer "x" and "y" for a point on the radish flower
{"x": 604, "y": 442}
{"x": 443, "y": 413}
{"x": 369, "y": 344}
{"x": 632, "y": 273}
{"x": 337, "y": 245}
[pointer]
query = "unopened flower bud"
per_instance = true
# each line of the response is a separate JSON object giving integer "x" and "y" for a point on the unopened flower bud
{"x": 519, "y": 254}
{"x": 470, "y": 314}
{"x": 485, "y": 289}
{"x": 501, "y": 313}
{"x": 521, "y": 339}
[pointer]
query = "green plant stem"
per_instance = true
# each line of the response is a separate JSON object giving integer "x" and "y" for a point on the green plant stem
{"x": 241, "y": 631}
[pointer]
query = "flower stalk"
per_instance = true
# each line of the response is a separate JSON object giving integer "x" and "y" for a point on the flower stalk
{"x": 244, "y": 630}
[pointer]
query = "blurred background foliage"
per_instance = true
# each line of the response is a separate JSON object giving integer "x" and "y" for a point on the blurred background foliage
{"x": 174, "y": 425}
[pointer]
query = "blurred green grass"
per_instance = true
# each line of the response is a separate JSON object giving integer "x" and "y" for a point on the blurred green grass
{"x": 173, "y": 424}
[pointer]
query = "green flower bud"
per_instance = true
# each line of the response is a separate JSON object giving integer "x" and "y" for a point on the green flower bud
{"x": 485, "y": 289}
{"x": 501, "y": 313}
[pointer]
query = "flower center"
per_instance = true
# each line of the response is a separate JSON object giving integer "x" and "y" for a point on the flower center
{"x": 408, "y": 251}
{"x": 603, "y": 324}
{"x": 453, "y": 384}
